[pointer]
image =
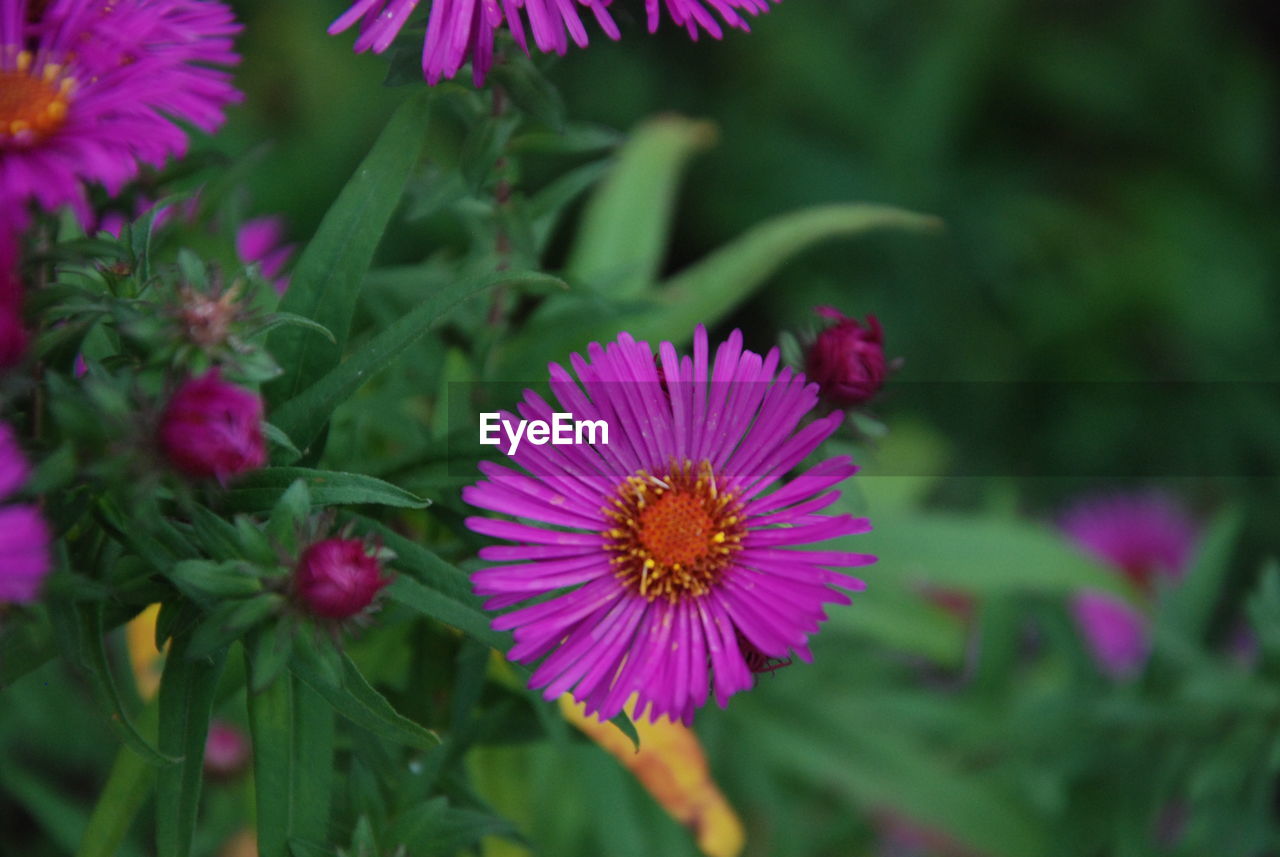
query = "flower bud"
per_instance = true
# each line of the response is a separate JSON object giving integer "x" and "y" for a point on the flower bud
{"x": 213, "y": 429}
{"x": 847, "y": 359}
{"x": 226, "y": 750}
{"x": 337, "y": 578}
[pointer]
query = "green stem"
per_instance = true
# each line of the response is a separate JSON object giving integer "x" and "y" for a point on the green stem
{"x": 127, "y": 788}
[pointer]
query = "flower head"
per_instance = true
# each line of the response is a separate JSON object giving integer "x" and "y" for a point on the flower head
{"x": 847, "y": 359}
{"x": 90, "y": 90}
{"x": 1143, "y": 537}
{"x": 24, "y": 535}
{"x": 213, "y": 429}
{"x": 462, "y": 31}
{"x": 338, "y": 578}
{"x": 664, "y": 560}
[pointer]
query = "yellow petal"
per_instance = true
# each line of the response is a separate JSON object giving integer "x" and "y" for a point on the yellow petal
{"x": 147, "y": 662}
{"x": 671, "y": 765}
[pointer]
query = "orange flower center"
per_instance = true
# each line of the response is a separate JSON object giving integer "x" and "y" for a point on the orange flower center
{"x": 674, "y": 534}
{"x": 32, "y": 106}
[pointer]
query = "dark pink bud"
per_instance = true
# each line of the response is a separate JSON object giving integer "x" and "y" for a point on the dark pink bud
{"x": 226, "y": 750}
{"x": 212, "y": 428}
{"x": 847, "y": 360}
{"x": 337, "y": 578}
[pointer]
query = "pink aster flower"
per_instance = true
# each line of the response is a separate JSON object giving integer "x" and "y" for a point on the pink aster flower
{"x": 1144, "y": 537}
{"x": 261, "y": 241}
{"x": 665, "y": 560}
{"x": 213, "y": 429}
{"x": 462, "y": 31}
{"x": 24, "y": 536}
{"x": 91, "y": 90}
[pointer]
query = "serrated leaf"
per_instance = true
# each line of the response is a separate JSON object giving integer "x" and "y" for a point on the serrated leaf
{"x": 305, "y": 414}
{"x": 326, "y": 281}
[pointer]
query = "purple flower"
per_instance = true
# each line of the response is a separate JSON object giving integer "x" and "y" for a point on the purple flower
{"x": 226, "y": 750}
{"x": 90, "y": 90}
{"x": 213, "y": 429}
{"x": 658, "y": 563}
{"x": 462, "y": 31}
{"x": 261, "y": 241}
{"x": 337, "y": 578}
{"x": 1143, "y": 537}
{"x": 847, "y": 359}
{"x": 13, "y": 334}
{"x": 24, "y": 536}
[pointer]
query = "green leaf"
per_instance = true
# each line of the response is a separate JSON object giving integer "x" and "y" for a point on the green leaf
{"x": 903, "y": 621}
{"x": 200, "y": 579}
{"x": 288, "y": 513}
{"x": 305, "y": 414}
{"x": 127, "y": 788}
{"x": 93, "y": 656}
{"x": 259, "y": 491}
{"x": 270, "y": 649}
{"x": 186, "y": 695}
{"x": 878, "y": 765}
{"x": 709, "y": 290}
{"x": 326, "y": 281}
{"x": 483, "y": 147}
{"x": 358, "y": 701}
{"x": 704, "y": 293}
{"x": 281, "y": 319}
{"x": 270, "y": 725}
{"x": 437, "y": 605}
{"x": 229, "y": 621}
{"x": 1187, "y": 608}
{"x": 313, "y": 730}
{"x": 623, "y": 234}
{"x": 979, "y": 554}
{"x": 529, "y": 90}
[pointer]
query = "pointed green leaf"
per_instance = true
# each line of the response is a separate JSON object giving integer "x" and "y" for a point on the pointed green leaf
{"x": 270, "y": 725}
{"x": 326, "y": 281}
{"x": 358, "y": 701}
{"x": 623, "y": 235}
{"x": 302, "y": 417}
{"x": 259, "y": 491}
{"x": 187, "y": 689}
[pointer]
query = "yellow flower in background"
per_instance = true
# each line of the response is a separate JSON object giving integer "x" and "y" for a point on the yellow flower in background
{"x": 672, "y": 766}
{"x": 146, "y": 661}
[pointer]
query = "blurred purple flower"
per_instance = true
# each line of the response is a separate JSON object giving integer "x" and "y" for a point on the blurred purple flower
{"x": 462, "y": 31}
{"x": 24, "y": 536}
{"x": 213, "y": 429}
{"x": 91, "y": 90}
{"x": 847, "y": 359}
{"x": 338, "y": 578}
{"x": 1143, "y": 537}
{"x": 673, "y": 536}
{"x": 226, "y": 750}
{"x": 13, "y": 334}
{"x": 261, "y": 241}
